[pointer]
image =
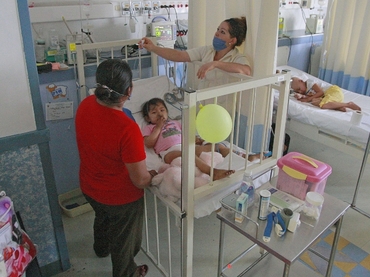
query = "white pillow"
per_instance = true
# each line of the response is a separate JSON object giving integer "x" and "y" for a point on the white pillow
{"x": 146, "y": 89}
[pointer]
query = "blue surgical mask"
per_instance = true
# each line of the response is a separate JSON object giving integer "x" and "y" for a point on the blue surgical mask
{"x": 218, "y": 44}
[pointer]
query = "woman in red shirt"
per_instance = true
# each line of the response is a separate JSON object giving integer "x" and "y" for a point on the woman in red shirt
{"x": 113, "y": 171}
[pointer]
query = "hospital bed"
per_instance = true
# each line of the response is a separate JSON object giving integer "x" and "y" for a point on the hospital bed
{"x": 249, "y": 102}
{"x": 329, "y": 127}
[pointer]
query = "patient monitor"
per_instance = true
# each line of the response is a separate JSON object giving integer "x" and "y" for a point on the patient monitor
{"x": 164, "y": 31}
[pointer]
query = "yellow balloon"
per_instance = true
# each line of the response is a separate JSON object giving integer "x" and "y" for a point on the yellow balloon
{"x": 213, "y": 123}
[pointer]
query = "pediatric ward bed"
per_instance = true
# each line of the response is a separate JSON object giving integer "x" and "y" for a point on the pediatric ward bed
{"x": 329, "y": 127}
{"x": 247, "y": 100}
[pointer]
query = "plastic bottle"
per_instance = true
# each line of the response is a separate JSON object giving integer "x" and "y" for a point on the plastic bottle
{"x": 59, "y": 55}
{"x": 248, "y": 187}
{"x": 281, "y": 25}
{"x": 54, "y": 40}
{"x": 40, "y": 50}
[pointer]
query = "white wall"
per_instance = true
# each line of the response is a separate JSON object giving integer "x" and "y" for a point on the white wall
{"x": 294, "y": 16}
{"x": 16, "y": 110}
{"x": 106, "y": 21}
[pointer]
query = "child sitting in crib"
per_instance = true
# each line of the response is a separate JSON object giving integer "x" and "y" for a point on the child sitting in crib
{"x": 164, "y": 135}
{"x": 330, "y": 98}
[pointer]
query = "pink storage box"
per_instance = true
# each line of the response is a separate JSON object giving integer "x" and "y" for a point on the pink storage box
{"x": 299, "y": 174}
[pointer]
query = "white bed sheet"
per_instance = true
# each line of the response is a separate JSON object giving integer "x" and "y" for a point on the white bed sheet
{"x": 328, "y": 120}
{"x": 145, "y": 89}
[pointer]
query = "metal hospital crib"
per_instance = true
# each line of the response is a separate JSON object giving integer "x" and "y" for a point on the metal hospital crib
{"x": 249, "y": 102}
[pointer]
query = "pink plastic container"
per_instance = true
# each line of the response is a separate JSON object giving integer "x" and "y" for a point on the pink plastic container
{"x": 299, "y": 174}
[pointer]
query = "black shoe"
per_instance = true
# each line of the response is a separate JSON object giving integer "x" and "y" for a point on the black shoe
{"x": 101, "y": 253}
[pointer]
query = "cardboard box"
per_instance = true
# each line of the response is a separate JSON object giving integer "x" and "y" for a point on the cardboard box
{"x": 299, "y": 174}
{"x": 241, "y": 207}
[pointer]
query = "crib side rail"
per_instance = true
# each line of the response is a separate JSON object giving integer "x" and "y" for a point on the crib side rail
{"x": 108, "y": 46}
{"x": 279, "y": 82}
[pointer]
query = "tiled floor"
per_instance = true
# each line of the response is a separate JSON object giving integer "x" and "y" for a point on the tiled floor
{"x": 341, "y": 184}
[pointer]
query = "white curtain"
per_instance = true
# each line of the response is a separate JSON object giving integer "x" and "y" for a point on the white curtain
{"x": 262, "y": 19}
{"x": 346, "y": 48}
{"x": 260, "y": 45}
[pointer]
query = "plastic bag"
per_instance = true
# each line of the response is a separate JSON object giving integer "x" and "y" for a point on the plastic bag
{"x": 17, "y": 249}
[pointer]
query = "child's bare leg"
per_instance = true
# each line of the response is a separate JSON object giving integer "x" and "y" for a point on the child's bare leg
{"x": 222, "y": 149}
{"x": 217, "y": 173}
{"x": 316, "y": 102}
{"x": 340, "y": 106}
{"x": 171, "y": 156}
{"x": 253, "y": 157}
{"x": 221, "y": 173}
{"x": 353, "y": 106}
{"x": 219, "y": 147}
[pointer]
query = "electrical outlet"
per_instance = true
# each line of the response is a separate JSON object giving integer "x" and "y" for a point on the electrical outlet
{"x": 147, "y": 7}
{"x": 136, "y": 7}
{"x": 308, "y": 4}
{"x": 126, "y": 8}
{"x": 156, "y": 5}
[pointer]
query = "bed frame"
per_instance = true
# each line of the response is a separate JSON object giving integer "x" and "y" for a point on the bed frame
{"x": 325, "y": 137}
{"x": 243, "y": 97}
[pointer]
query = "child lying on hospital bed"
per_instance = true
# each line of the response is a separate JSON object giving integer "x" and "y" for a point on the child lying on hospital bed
{"x": 330, "y": 98}
{"x": 164, "y": 136}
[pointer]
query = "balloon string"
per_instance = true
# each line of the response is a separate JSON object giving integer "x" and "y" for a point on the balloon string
{"x": 212, "y": 160}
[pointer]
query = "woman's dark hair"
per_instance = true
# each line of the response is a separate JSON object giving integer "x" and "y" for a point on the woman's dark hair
{"x": 113, "y": 78}
{"x": 152, "y": 102}
{"x": 238, "y": 29}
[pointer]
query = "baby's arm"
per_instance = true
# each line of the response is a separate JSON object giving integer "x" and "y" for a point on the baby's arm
{"x": 151, "y": 140}
{"x": 299, "y": 96}
{"x": 318, "y": 94}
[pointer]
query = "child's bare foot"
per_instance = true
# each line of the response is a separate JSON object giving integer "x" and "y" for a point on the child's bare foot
{"x": 353, "y": 106}
{"x": 221, "y": 173}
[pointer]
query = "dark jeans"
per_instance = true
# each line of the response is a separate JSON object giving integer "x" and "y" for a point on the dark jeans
{"x": 118, "y": 230}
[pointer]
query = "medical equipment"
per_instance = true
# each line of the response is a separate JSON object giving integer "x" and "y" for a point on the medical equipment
{"x": 164, "y": 31}
{"x": 86, "y": 29}
{"x": 72, "y": 41}
{"x": 315, "y": 24}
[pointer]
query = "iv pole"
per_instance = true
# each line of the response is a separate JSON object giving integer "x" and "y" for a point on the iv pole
{"x": 86, "y": 5}
{"x": 362, "y": 169}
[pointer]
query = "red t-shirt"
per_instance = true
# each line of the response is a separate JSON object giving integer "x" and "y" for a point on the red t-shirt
{"x": 106, "y": 140}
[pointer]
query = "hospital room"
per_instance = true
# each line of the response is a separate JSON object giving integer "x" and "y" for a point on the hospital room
{"x": 270, "y": 98}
